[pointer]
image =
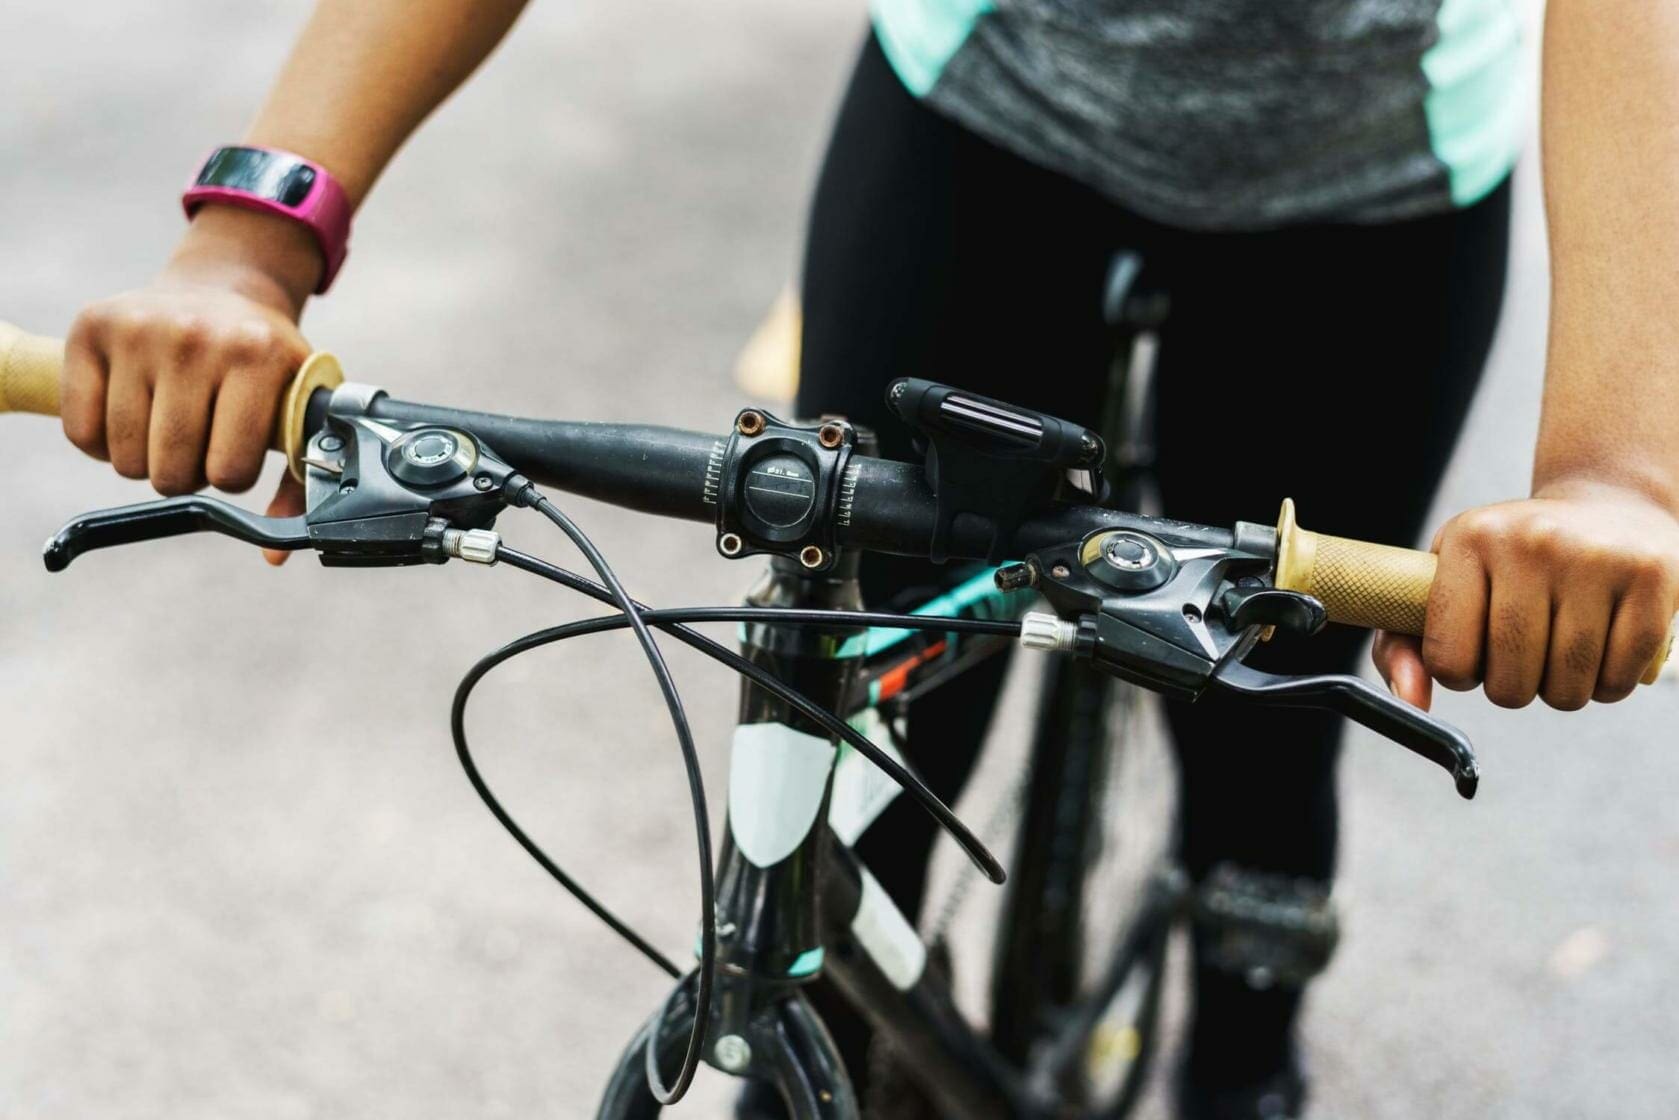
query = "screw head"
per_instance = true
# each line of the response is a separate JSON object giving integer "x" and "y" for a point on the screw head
{"x": 729, "y": 544}
{"x": 331, "y": 442}
{"x": 1060, "y": 571}
{"x": 1013, "y": 577}
{"x": 483, "y": 482}
{"x": 733, "y": 1053}
{"x": 811, "y": 556}
{"x": 750, "y": 422}
{"x": 831, "y": 436}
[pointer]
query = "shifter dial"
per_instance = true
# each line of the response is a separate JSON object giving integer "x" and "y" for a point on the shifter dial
{"x": 431, "y": 457}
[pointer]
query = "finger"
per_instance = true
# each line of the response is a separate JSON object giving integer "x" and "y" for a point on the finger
{"x": 128, "y": 409}
{"x": 1398, "y": 658}
{"x": 179, "y": 430}
{"x": 81, "y": 393}
{"x": 1637, "y": 634}
{"x": 1455, "y": 626}
{"x": 239, "y": 431}
{"x": 1518, "y": 635}
{"x": 1579, "y": 633}
{"x": 288, "y": 502}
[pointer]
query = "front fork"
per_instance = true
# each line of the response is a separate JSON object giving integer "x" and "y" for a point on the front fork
{"x": 769, "y": 939}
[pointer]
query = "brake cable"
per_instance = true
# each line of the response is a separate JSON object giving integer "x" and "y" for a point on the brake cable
{"x": 637, "y": 617}
{"x": 671, "y": 621}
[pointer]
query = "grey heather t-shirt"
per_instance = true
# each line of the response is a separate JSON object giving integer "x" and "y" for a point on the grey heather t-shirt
{"x": 1232, "y": 114}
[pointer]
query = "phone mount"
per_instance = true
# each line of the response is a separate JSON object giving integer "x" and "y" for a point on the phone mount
{"x": 379, "y": 494}
{"x": 993, "y": 462}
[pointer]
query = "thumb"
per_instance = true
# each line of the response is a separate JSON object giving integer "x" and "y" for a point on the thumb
{"x": 288, "y": 502}
{"x": 1398, "y": 659}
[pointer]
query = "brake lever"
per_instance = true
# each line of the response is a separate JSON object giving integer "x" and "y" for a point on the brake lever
{"x": 379, "y": 494}
{"x": 1179, "y": 618}
{"x": 1364, "y": 703}
{"x": 171, "y": 517}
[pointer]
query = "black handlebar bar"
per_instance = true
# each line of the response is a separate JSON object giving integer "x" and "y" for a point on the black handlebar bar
{"x": 664, "y": 471}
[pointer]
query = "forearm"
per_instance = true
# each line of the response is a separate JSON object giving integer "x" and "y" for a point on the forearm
{"x": 1611, "y": 156}
{"x": 361, "y": 78}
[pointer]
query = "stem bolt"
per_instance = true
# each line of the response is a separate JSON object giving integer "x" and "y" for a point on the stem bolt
{"x": 811, "y": 556}
{"x": 733, "y": 1053}
{"x": 729, "y": 544}
{"x": 749, "y": 422}
{"x": 831, "y": 436}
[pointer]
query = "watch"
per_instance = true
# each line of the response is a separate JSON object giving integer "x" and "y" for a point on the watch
{"x": 277, "y": 182}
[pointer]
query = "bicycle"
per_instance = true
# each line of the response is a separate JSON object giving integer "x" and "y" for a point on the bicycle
{"x": 1169, "y": 606}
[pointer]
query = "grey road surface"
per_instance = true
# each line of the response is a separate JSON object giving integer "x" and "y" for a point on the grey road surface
{"x": 240, "y": 874}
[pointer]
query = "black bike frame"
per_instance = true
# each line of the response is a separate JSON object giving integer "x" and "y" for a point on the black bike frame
{"x": 794, "y": 902}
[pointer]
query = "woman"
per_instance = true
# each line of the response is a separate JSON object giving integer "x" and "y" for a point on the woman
{"x": 1322, "y": 187}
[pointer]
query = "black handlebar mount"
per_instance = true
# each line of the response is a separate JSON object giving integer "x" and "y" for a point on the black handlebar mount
{"x": 781, "y": 489}
{"x": 992, "y": 461}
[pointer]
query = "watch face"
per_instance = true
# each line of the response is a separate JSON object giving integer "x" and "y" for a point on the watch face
{"x": 265, "y": 174}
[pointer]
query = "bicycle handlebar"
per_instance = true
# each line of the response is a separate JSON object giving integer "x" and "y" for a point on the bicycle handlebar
{"x": 665, "y": 471}
{"x": 32, "y": 366}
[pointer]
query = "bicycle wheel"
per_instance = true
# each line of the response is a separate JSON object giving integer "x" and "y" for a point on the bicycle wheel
{"x": 1080, "y": 966}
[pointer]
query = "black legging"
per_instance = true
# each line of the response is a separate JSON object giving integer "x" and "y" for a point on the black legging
{"x": 1331, "y": 363}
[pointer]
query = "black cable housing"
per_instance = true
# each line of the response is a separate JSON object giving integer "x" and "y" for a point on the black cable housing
{"x": 637, "y": 617}
{"x": 527, "y": 495}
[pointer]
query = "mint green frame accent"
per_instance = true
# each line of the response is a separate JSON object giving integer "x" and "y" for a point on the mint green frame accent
{"x": 808, "y": 963}
{"x": 966, "y": 594}
{"x": 920, "y": 37}
{"x": 1477, "y": 94}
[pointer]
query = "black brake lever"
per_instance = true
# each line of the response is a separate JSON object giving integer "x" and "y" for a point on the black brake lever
{"x": 171, "y": 517}
{"x": 379, "y": 495}
{"x": 1364, "y": 703}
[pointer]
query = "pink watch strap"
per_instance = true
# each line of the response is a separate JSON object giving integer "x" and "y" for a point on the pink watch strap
{"x": 325, "y": 208}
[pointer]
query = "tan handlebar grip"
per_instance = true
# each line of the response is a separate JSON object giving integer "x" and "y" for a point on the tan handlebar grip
{"x": 29, "y": 368}
{"x": 1375, "y": 586}
{"x": 30, "y": 365}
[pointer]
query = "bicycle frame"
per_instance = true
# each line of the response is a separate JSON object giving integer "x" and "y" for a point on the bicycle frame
{"x": 794, "y": 902}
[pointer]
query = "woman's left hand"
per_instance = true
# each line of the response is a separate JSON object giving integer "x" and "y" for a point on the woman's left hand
{"x": 1566, "y": 596}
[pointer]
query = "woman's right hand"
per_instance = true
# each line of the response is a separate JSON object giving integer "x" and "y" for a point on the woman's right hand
{"x": 180, "y": 381}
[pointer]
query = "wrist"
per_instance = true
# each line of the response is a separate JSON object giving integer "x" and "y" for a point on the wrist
{"x": 265, "y": 257}
{"x": 1629, "y": 487}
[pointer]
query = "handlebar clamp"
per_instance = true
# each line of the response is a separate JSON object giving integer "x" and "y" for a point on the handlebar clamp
{"x": 782, "y": 489}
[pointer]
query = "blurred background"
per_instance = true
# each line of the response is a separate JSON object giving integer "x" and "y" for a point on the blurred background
{"x": 240, "y": 873}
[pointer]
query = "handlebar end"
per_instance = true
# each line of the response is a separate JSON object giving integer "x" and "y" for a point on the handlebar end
{"x": 56, "y": 554}
{"x": 1468, "y": 779}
